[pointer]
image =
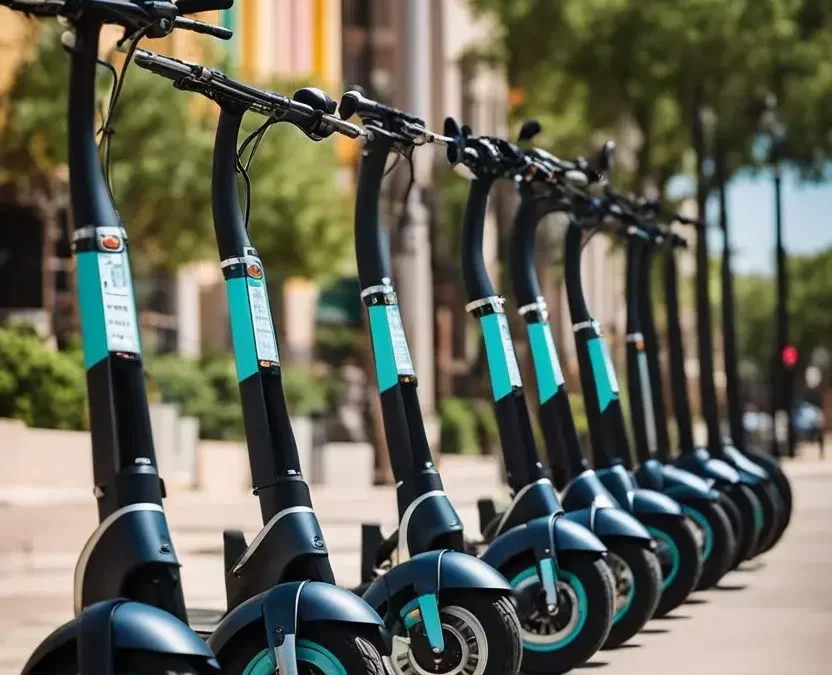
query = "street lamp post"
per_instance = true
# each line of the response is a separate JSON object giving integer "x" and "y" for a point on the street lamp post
{"x": 782, "y": 380}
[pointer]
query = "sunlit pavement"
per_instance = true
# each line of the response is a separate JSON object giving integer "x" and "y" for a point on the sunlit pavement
{"x": 773, "y": 616}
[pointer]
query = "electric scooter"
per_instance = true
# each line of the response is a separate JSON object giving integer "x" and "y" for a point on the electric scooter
{"x": 783, "y": 490}
{"x": 560, "y": 435}
{"x": 737, "y": 500}
{"x": 283, "y": 577}
{"x": 649, "y": 419}
{"x": 584, "y": 579}
{"x": 449, "y": 611}
{"x": 767, "y": 515}
{"x": 128, "y": 600}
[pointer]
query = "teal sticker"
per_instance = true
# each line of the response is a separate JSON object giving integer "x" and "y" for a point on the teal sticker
{"x": 547, "y": 368}
{"x": 91, "y": 308}
{"x": 425, "y": 609}
{"x": 242, "y": 329}
{"x": 603, "y": 373}
{"x": 499, "y": 351}
{"x": 387, "y": 375}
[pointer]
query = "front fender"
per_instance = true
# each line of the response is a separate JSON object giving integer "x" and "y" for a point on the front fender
{"x": 538, "y": 537}
{"x": 292, "y": 604}
{"x": 609, "y": 522}
{"x": 702, "y": 464}
{"x": 683, "y": 486}
{"x": 649, "y": 502}
{"x": 428, "y": 573}
{"x": 743, "y": 464}
{"x": 122, "y": 624}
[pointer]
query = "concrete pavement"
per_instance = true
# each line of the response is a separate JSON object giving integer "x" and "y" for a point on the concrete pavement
{"x": 771, "y": 617}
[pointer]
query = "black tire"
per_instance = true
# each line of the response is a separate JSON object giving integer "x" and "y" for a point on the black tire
{"x": 734, "y": 516}
{"x": 645, "y": 582}
{"x": 783, "y": 495}
{"x": 583, "y": 579}
{"x": 130, "y": 662}
{"x": 770, "y": 515}
{"x": 680, "y": 558}
{"x": 487, "y": 623}
{"x": 749, "y": 509}
{"x": 720, "y": 545}
{"x": 356, "y": 648}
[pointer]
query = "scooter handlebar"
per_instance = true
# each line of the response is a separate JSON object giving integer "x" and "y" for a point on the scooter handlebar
{"x": 202, "y": 27}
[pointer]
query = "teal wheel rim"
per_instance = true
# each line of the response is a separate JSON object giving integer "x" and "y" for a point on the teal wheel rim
{"x": 307, "y": 652}
{"x": 671, "y": 550}
{"x": 707, "y": 531}
{"x": 568, "y": 583}
{"x": 619, "y": 566}
{"x": 758, "y": 518}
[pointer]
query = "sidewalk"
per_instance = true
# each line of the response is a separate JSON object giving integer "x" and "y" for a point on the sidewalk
{"x": 778, "y": 623}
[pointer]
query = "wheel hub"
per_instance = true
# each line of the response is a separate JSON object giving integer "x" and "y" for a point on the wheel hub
{"x": 624, "y": 581}
{"x": 537, "y": 623}
{"x": 465, "y": 653}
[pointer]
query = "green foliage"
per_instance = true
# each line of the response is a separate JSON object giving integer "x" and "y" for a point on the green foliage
{"x": 336, "y": 344}
{"x": 39, "y": 385}
{"x": 599, "y": 66}
{"x": 305, "y": 394}
{"x": 458, "y": 427}
{"x": 488, "y": 431}
{"x": 301, "y": 220}
{"x": 576, "y": 402}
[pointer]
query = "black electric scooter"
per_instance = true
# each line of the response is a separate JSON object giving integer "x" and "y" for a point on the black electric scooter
{"x": 767, "y": 514}
{"x": 736, "y": 499}
{"x": 128, "y": 600}
{"x": 579, "y": 624}
{"x": 649, "y": 419}
{"x": 284, "y": 576}
{"x": 449, "y": 611}
{"x": 783, "y": 489}
{"x": 563, "y": 445}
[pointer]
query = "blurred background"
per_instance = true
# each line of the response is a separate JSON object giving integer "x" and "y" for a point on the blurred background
{"x": 744, "y": 85}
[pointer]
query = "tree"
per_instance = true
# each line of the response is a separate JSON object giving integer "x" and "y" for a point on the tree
{"x": 636, "y": 68}
{"x": 160, "y": 155}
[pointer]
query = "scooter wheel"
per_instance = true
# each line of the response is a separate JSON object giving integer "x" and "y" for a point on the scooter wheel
{"x": 638, "y": 583}
{"x": 563, "y": 641}
{"x": 481, "y": 634}
{"x": 681, "y": 562}
{"x": 130, "y": 662}
{"x": 719, "y": 545}
{"x": 750, "y": 514}
{"x": 323, "y": 647}
{"x": 732, "y": 512}
{"x": 782, "y": 492}
{"x": 769, "y": 515}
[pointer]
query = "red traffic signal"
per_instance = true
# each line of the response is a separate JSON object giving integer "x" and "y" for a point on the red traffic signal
{"x": 790, "y": 355}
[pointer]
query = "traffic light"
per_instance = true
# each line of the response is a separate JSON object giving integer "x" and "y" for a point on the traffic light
{"x": 790, "y": 356}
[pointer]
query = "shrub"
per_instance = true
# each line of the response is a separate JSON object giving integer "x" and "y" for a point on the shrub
{"x": 38, "y": 385}
{"x": 487, "y": 429}
{"x": 458, "y": 427}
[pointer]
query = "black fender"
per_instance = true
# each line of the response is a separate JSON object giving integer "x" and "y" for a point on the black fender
{"x": 429, "y": 573}
{"x": 543, "y": 537}
{"x": 652, "y": 503}
{"x": 133, "y": 537}
{"x": 285, "y": 607}
{"x": 292, "y": 539}
{"x": 585, "y": 491}
{"x": 650, "y": 475}
{"x": 611, "y": 522}
{"x": 702, "y": 464}
{"x": 111, "y": 625}
{"x": 743, "y": 464}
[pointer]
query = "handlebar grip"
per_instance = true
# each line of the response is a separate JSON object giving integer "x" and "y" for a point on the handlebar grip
{"x": 355, "y": 103}
{"x": 202, "y": 27}
{"x": 173, "y": 69}
{"x": 194, "y": 6}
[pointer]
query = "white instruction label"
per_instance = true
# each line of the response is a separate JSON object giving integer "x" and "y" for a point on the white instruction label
{"x": 610, "y": 368}
{"x": 404, "y": 364}
{"x": 120, "y": 320}
{"x": 553, "y": 355}
{"x": 508, "y": 349}
{"x": 265, "y": 342}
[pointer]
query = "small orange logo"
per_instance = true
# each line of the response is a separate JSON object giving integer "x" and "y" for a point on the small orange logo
{"x": 111, "y": 242}
{"x": 254, "y": 271}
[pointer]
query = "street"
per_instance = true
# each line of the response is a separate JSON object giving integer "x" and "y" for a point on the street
{"x": 773, "y": 616}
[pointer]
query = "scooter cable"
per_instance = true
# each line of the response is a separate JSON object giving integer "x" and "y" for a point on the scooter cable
{"x": 242, "y": 169}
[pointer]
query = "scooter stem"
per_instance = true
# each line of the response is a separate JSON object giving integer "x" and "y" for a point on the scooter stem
{"x": 560, "y": 434}
{"x": 598, "y": 381}
{"x": 124, "y": 461}
{"x": 520, "y": 453}
{"x": 676, "y": 355}
{"x": 652, "y": 349}
{"x": 273, "y": 454}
